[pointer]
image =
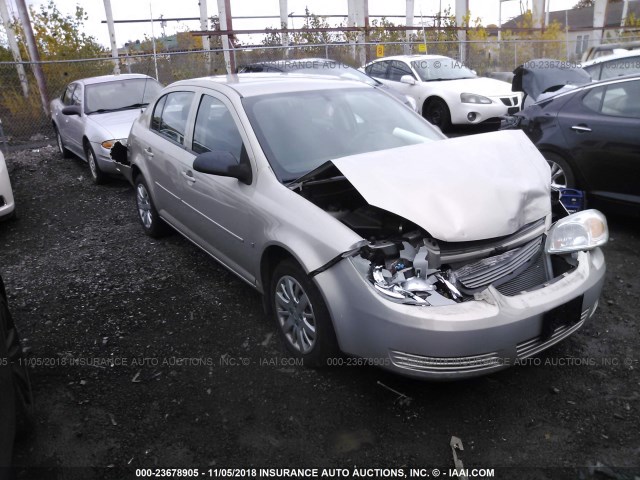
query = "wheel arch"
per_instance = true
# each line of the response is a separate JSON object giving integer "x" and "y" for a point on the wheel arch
{"x": 86, "y": 144}
{"x": 271, "y": 257}
{"x": 432, "y": 97}
{"x": 135, "y": 172}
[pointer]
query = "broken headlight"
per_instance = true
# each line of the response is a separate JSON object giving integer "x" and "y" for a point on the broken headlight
{"x": 584, "y": 230}
{"x": 108, "y": 144}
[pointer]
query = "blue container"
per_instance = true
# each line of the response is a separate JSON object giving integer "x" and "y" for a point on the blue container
{"x": 573, "y": 200}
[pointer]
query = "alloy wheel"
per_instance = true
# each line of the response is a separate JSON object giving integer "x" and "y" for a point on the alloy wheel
{"x": 295, "y": 314}
{"x": 92, "y": 163}
{"x": 144, "y": 205}
{"x": 60, "y": 144}
{"x": 558, "y": 176}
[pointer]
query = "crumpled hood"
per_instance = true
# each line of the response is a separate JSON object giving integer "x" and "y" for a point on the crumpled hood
{"x": 114, "y": 124}
{"x": 537, "y": 76}
{"x": 462, "y": 189}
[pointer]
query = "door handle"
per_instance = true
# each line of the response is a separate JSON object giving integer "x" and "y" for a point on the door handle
{"x": 189, "y": 176}
{"x": 148, "y": 151}
{"x": 580, "y": 128}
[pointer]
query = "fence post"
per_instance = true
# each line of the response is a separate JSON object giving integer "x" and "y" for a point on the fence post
{"x": 13, "y": 44}
{"x": 112, "y": 37}
{"x": 33, "y": 53}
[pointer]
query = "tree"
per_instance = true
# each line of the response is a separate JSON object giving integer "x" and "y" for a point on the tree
{"x": 58, "y": 37}
{"x": 590, "y": 3}
{"x": 61, "y": 36}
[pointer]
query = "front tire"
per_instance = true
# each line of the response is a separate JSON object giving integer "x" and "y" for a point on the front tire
{"x": 151, "y": 222}
{"x": 61, "y": 148}
{"x": 97, "y": 175}
{"x": 437, "y": 112}
{"x": 301, "y": 315}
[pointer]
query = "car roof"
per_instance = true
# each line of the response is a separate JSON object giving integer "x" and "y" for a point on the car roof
{"x": 252, "y": 84}
{"x": 293, "y": 61}
{"x": 409, "y": 58}
{"x": 618, "y": 54}
{"x": 111, "y": 78}
{"x": 579, "y": 88}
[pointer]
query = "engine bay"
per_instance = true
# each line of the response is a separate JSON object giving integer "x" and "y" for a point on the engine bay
{"x": 406, "y": 264}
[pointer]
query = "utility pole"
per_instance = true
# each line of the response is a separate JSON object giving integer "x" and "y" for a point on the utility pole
{"x": 112, "y": 37}
{"x": 284, "y": 23}
{"x": 462, "y": 7}
{"x": 13, "y": 44}
{"x": 599, "y": 16}
{"x": 23, "y": 13}
{"x": 410, "y": 7}
{"x": 204, "y": 25}
{"x": 224, "y": 14}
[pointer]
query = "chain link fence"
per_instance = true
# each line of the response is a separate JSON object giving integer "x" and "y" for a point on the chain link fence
{"x": 23, "y": 118}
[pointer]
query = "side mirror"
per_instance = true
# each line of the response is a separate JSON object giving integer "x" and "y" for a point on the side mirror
{"x": 223, "y": 164}
{"x": 408, "y": 79}
{"x": 72, "y": 110}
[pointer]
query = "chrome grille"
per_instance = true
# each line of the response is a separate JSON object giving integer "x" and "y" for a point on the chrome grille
{"x": 489, "y": 270}
{"x": 486, "y": 361}
{"x": 509, "y": 101}
{"x": 534, "y": 276}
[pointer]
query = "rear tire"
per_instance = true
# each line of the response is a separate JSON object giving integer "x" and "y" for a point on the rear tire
{"x": 301, "y": 315}
{"x": 561, "y": 173}
{"x": 151, "y": 222}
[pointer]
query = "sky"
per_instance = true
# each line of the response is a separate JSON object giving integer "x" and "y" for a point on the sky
{"x": 140, "y": 9}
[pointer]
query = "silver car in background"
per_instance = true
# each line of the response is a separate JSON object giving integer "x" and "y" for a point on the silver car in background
{"x": 93, "y": 113}
{"x": 366, "y": 230}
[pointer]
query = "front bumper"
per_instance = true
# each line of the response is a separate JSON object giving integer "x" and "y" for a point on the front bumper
{"x": 483, "y": 112}
{"x": 458, "y": 341}
{"x": 105, "y": 162}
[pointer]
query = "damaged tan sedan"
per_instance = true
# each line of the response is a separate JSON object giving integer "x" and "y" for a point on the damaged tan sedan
{"x": 366, "y": 230}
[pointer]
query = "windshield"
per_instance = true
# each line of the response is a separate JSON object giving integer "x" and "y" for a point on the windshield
{"x": 443, "y": 68}
{"x": 120, "y": 94}
{"x": 299, "y": 131}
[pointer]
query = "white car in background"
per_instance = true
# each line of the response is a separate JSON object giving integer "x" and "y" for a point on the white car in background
{"x": 7, "y": 204}
{"x": 446, "y": 91}
{"x": 93, "y": 113}
{"x": 621, "y": 62}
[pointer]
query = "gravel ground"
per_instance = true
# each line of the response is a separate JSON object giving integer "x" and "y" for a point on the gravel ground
{"x": 200, "y": 381}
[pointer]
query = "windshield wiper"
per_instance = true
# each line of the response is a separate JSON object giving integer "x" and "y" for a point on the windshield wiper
{"x": 134, "y": 105}
{"x": 103, "y": 110}
{"x": 126, "y": 107}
